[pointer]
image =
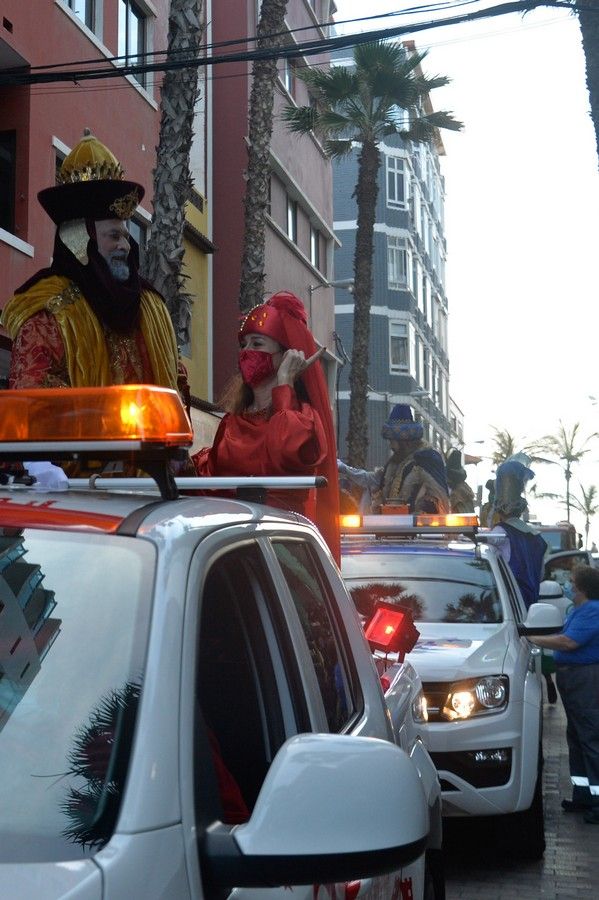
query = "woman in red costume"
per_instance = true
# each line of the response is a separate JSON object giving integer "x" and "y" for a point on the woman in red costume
{"x": 279, "y": 418}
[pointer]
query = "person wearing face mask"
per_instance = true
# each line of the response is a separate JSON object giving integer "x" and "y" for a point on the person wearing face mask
{"x": 279, "y": 419}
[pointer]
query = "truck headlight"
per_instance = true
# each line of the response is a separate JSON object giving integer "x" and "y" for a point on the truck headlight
{"x": 476, "y": 697}
{"x": 420, "y": 708}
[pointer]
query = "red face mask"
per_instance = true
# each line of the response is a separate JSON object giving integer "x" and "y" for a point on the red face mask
{"x": 255, "y": 366}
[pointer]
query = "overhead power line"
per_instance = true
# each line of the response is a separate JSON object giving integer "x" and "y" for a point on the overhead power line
{"x": 253, "y": 38}
{"x": 306, "y": 48}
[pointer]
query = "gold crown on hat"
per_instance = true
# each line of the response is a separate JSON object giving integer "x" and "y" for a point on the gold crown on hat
{"x": 90, "y": 160}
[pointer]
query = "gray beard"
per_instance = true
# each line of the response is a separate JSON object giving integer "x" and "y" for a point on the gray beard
{"x": 118, "y": 269}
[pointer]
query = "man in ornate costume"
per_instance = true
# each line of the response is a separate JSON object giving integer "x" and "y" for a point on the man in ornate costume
{"x": 90, "y": 319}
{"x": 522, "y": 547}
{"x": 413, "y": 476}
{"x": 461, "y": 495}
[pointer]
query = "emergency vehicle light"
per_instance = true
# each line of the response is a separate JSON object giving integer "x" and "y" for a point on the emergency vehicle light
{"x": 407, "y": 524}
{"x": 383, "y": 627}
{"x": 82, "y": 417}
{"x": 391, "y": 629}
{"x": 447, "y": 520}
{"x": 350, "y": 520}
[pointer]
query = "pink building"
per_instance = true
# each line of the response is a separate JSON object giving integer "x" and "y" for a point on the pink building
{"x": 299, "y": 240}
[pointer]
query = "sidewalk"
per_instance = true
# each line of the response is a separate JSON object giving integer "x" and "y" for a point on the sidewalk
{"x": 569, "y": 869}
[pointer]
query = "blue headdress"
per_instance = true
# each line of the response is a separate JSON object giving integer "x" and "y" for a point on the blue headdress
{"x": 400, "y": 426}
{"x": 510, "y": 483}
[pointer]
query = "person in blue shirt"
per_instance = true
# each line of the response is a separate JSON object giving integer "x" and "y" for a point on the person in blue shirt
{"x": 576, "y": 654}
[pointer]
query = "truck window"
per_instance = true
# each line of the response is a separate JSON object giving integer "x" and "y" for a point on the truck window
{"x": 314, "y": 608}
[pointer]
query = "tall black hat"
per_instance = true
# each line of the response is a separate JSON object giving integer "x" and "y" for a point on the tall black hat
{"x": 91, "y": 186}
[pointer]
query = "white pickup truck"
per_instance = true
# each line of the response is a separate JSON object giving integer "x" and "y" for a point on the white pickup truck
{"x": 188, "y": 705}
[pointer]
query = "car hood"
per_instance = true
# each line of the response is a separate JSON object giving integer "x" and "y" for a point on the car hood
{"x": 79, "y": 880}
{"x": 447, "y": 652}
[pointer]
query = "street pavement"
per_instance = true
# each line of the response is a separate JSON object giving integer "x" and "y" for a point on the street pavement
{"x": 570, "y": 867}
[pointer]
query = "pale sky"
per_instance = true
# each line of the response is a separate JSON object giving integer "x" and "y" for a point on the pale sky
{"x": 522, "y": 210}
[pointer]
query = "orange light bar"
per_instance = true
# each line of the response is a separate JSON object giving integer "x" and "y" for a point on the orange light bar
{"x": 350, "y": 520}
{"x": 128, "y": 412}
{"x": 449, "y": 520}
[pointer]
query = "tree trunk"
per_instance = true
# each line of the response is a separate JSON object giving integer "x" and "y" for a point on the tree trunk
{"x": 588, "y": 18}
{"x": 366, "y": 195}
{"x": 568, "y": 476}
{"x": 172, "y": 177}
{"x": 264, "y": 73}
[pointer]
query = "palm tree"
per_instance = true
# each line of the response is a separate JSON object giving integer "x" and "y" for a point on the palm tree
{"x": 362, "y": 105}
{"x": 588, "y": 505}
{"x": 505, "y": 445}
{"x": 100, "y": 757}
{"x": 271, "y": 28}
{"x": 588, "y": 20}
{"x": 172, "y": 177}
{"x": 568, "y": 447}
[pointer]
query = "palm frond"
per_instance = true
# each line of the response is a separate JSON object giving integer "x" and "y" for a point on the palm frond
{"x": 331, "y": 87}
{"x": 373, "y": 56}
{"x": 427, "y": 83}
{"x": 337, "y": 149}
{"x": 300, "y": 119}
{"x": 334, "y": 122}
{"x": 424, "y": 128}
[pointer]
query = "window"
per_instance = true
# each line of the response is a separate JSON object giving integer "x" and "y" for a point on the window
{"x": 417, "y": 283}
{"x": 315, "y": 247}
{"x": 73, "y": 641}
{"x": 132, "y": 36}
{"x": 400, "y": 118}
{"x": 8, "y": 162}
{"x": 139, "y": 232}
{"x": 288, "y": 76}
{"x": 397, "y": 263}
{"x": 84, "y": 10}
{"x": 292, "y": 219}
{"x": 239, "y": 669}
{"x": 399, "y": 356}
{"x": 417, "y": 211}
{"x": 397, "y": 182}
{"x": 435, "y": 588}
{"x": 427, "y": 369}
{"x": 313, "y": 608}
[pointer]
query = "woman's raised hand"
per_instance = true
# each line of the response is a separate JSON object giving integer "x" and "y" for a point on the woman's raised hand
{"x": 294, "y": 363}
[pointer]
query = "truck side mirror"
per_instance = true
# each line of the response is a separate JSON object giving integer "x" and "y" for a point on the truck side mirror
{"x": 542, "y": 618}
{"x": 550, "y": 590}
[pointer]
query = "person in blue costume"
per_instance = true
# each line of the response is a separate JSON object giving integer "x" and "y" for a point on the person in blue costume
{"x": 523, "y": 547}
{"x": 413, "y": 476}
{"x": 576, "y": 653}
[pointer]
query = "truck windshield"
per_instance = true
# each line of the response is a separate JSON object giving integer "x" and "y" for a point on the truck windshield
{"x": 437, "y": 588}
{"x": 74, "y": 615}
